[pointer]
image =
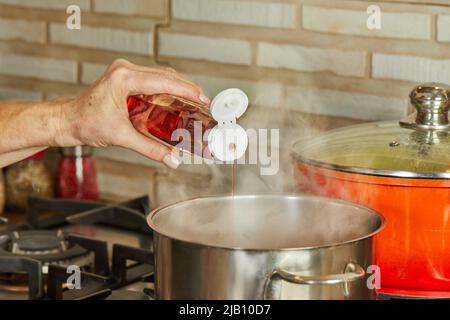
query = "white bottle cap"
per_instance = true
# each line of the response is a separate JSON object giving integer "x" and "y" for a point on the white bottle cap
{"x": 228, "y": 141}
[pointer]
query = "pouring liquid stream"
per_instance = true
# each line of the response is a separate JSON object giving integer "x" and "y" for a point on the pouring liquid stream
{"x": 233, "y": 190}
{"x": 233, "y": 170}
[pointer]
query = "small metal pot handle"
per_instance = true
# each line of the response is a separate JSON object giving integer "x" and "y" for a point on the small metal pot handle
{"x": 351, "y": 273}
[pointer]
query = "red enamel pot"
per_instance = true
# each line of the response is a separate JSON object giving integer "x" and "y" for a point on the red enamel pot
{"x": 402, "y": 170}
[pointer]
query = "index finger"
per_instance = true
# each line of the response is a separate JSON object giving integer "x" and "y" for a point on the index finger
{"x": 141, "y": 82}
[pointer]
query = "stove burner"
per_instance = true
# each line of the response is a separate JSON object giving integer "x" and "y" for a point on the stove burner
{"x": 37, "y": 242}
{"x": 47, "y": 246}
{"x": 34, "y": 255}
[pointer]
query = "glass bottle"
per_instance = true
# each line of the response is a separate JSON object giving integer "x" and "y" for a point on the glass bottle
{"x": 76, "y": 175}
{"x": 193, "y": 127}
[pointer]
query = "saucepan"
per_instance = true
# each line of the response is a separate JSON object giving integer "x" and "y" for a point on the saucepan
{"x": 264, "y": 247}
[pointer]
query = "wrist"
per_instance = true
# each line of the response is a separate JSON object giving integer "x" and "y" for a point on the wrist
{"x": 67, "y": 129}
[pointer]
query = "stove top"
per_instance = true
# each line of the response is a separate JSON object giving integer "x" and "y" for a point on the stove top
{"x": 70, "y": 249}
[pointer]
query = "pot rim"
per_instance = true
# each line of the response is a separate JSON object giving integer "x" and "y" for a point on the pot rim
{"x": 373, "y": 172}
{"x": 154, "y": 212}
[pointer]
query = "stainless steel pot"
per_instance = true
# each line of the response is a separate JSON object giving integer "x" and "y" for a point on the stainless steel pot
{"x": 263, "y": 247}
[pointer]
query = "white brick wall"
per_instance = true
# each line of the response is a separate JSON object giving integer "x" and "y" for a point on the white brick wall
{"x": 393, "y": 25}
{"x": 260, "y": 93}
{"x": 103, "y": 38}
{"x": 346, "y": 63}
{"x": 266, "y": 14}
{"x": 123, "y": 185}
{"x": 48, "y": 4}
{"x": 19, "y": 94}
{"x": 204, "y": 48}
{"x": 37, "y": 67}
{"x": 91, "y": 71}
{"x": 410, "y": 68}
{"x": 345, "y": 104}
{"x": 443, "y": 28}
{"x": 30, "y": 31}
{"x": 154, "y": 8}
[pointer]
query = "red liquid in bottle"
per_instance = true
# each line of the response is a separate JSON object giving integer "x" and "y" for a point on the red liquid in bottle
{"x": 160, "y": 115}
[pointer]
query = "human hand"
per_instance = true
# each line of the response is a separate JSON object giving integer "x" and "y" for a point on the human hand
{"x": 99, "y": 116}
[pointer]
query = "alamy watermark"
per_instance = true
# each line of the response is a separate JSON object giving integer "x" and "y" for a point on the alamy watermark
{"x": 374, "y": 20}
{"x": 73, "y": 22}
{"x": 74, "y": 280}
{"x": 263, "y": 147}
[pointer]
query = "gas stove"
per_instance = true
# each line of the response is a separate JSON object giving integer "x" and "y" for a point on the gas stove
{"x": 106, "y": 247}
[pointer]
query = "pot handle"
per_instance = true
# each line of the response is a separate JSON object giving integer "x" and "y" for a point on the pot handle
{"x": 352, "y": 272}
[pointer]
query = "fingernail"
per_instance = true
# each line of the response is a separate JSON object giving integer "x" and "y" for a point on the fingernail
{"x": 172, "y": 160}
{"x": 204, "y": 99}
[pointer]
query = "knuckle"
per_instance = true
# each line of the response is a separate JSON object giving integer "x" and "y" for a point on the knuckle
{"x": 120, "y": 73}
{"x": 164, "y": 70}
{"x": 164, "y": 79}
{"x": 169, "y": 70}
{"x": 118, "y": 63}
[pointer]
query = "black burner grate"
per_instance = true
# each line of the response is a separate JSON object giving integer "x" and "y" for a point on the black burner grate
{"x": 27, "y": 247}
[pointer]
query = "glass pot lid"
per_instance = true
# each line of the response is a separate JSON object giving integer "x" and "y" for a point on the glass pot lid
{"x": 415, "y": 147}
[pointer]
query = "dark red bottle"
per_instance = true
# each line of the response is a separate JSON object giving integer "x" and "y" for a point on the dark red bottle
{"x": 76, "y": 177}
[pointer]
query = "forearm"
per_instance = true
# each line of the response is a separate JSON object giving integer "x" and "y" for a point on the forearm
{"x": 28, "y": 127}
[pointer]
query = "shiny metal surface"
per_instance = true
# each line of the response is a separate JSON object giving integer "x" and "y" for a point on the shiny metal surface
{"x": 263, "y": 246}
{"x": 431, "y": 101}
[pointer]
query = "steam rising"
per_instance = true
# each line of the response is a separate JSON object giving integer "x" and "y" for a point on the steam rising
{"x": 209, "y": 222}
{"x": 267, "y": 110}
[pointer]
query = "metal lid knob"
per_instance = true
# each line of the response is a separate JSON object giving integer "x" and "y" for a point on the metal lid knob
{"x": 432, "y": 103}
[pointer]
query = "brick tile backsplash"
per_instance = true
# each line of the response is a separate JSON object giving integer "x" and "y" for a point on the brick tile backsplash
{"x": 30, "y": 31}
{"x": 49, "y": 4}
{"x": 345, "y": 104}
{"x": 205, "y": 48}
{"x": 19, "y": 94}
{"x": 443, "y": 28}
{"x": 103, "y": 38}
{"x": 410, "y": 68}
{"x": 38, "y": 67}
{"x": 353, "y": 22}
{"x": 123, "y": 185}
{"x": 264, "y": 14}
{"x": 260, "y": 93}
{"x": 300, "y": 58}
{"x": 91, "y": 71}
{"x": 152, "y": 8}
